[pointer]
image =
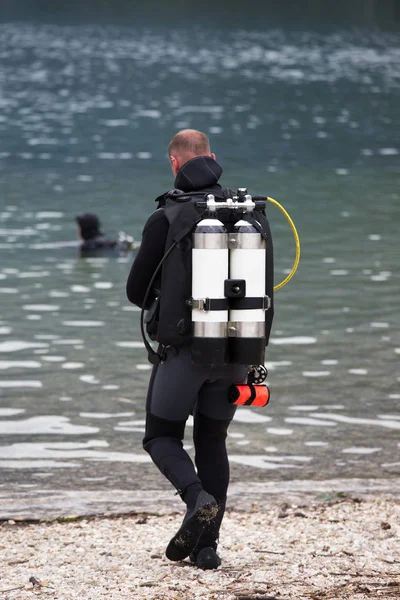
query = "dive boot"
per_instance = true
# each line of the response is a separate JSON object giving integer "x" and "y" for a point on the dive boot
{"x": 206, "y": 558}
{"x": 193, "y": 525}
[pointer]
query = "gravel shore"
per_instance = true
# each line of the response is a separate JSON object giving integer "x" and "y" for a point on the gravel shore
{"x": 336, "y": 548}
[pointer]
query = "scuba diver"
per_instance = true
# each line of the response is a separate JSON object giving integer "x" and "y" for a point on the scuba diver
{"x": 180, "y": 276}
{"x": 93, "y": 239}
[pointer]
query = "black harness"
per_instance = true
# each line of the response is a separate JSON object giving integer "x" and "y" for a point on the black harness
{"x": 184, "y": 211}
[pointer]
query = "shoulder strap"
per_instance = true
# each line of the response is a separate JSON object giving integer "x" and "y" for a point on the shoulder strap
{"x": 182, "y": 214}
{"x": 189, "y": 216}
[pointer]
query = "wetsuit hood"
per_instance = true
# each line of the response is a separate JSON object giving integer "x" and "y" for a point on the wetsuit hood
{"x": 198, "y": 173}
{"x": 90, "y": 226}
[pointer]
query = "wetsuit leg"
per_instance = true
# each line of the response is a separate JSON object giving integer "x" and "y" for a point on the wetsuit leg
{"x": 213, "y": 469}
{"x": 173, "y": 390}
{"x": 211, "y": 421}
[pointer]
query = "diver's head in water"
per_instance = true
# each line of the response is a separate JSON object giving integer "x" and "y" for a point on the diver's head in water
{"x": 88, "y": 226}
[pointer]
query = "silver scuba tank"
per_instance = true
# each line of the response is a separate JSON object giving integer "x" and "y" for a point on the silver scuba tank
{"x": 210, "y": 267}
{"x": 247, "y": 266}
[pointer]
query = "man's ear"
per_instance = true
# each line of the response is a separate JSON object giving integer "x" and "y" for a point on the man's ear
{"x": 213, "y": 156}
{"x": 174, "y": 164}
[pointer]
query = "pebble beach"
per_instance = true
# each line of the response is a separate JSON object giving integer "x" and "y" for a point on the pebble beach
{"x": 340, "y": 547}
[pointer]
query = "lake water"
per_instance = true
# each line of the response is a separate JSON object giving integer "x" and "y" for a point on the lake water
{"x": 86, "y": 113}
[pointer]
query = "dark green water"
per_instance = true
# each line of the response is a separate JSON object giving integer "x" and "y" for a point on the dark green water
{"x": 311, "y": 119}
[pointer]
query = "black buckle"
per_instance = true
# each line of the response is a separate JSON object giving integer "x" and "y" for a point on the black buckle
{"x": 235, "y": 288}
{"x": 208, "y": 304}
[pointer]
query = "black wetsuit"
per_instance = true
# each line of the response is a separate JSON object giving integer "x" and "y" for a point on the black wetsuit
{"x": 98, "y": 242}
{"x": 104, "y": 246}
{"x": 177, "y": 387}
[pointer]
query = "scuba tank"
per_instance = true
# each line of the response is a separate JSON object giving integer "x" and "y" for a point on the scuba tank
{"x": 208, "y": 303}
{"x": 247, "y": 268}
{"x": 229, "y": 272}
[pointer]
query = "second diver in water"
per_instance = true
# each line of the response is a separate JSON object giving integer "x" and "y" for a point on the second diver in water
{"x": 93, "y": 239}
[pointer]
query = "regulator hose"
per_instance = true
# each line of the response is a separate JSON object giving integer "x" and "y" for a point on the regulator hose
{"x": 297, "y": 241}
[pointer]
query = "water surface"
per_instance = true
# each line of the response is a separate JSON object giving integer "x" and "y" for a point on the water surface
{"x": 86, "y": 113}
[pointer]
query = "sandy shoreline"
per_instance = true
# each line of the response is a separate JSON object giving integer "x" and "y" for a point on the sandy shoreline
{"x": 46, "y": 504}
{"x": 337, "y": 547}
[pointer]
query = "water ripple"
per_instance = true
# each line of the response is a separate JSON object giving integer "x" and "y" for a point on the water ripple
{"x": 54, "y": 424}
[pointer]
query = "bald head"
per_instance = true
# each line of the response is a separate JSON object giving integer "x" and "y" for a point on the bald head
{"x": 185, "y": 145}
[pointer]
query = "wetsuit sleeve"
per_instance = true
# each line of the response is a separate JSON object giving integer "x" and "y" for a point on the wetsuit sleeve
{"x": 148, "y": 257}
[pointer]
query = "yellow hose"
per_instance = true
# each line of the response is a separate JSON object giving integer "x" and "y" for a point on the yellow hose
{"x": 297, "y": 241}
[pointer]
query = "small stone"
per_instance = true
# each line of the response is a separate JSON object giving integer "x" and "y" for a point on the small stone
{"x": 142, "y": 521}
